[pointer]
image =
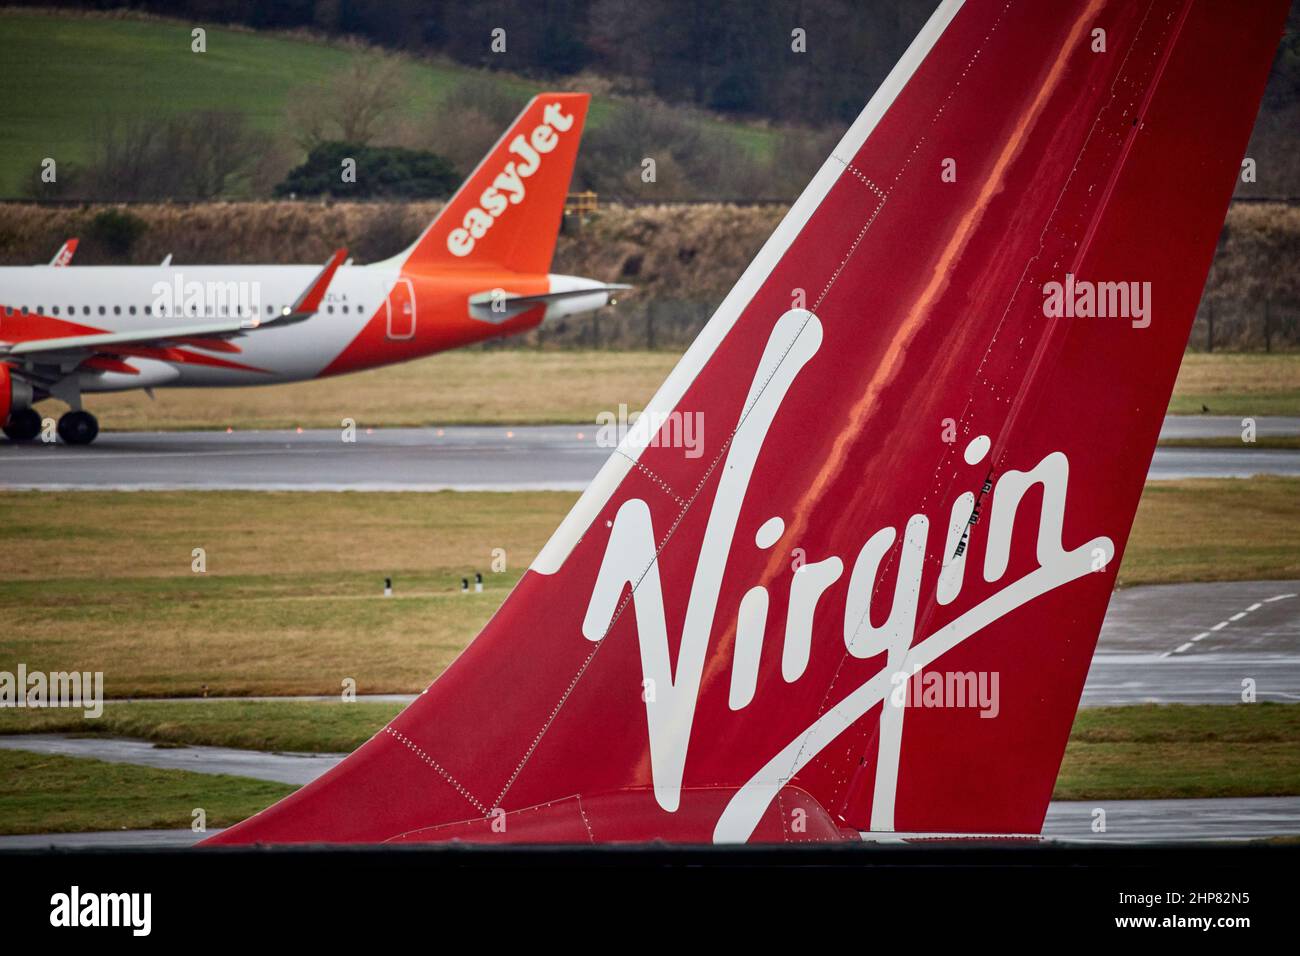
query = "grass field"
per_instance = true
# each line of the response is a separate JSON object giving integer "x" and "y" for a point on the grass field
{"x": 1114, "y": 753}
{"x": 511, "y": 386}
{"x": 1237, "y": 384}
{"x": 41, "y": 793}
{"x": 1266, "y": 442}
{"x": 64, "y": 73}
{"x": 467, "y": 387}
{"x": 269, "y": 725}
{"x": 291, "y": 602}
{"x": 1182, "y": 751}
{"x": 1215, "y": 529}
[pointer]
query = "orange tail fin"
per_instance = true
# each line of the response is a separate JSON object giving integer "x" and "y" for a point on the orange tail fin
{"x": 507, "y": 213}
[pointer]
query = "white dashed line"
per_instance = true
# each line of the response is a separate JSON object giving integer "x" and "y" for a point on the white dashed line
{"x": 1222, "y": 624}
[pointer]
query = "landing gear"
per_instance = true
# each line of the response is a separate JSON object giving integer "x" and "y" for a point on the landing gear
{"x": 24, "y": 424}
{"x": 78, "y": 428}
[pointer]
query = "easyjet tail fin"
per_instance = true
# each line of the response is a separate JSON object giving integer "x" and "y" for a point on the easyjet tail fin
{"x": 847, "y": 571}
{"x": 506, "y": 215}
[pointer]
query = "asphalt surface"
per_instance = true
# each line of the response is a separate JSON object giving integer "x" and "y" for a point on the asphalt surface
{"x": 463, "y": 458}
{"x": 293, "y": 768}
{"x": 1197, "y": 644}
{"x": 1226, "y": 426}
{"x": 1126, "y": 821}
{"x": 1155, "y": 821}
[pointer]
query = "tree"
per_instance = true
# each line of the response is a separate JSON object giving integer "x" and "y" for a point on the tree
{"x": 381, "y": 171}
{"x": 350, "y": 106}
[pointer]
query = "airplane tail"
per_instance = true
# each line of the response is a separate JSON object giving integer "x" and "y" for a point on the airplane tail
{"x": 848, "y": 570}
{"x": 507, "y": 214}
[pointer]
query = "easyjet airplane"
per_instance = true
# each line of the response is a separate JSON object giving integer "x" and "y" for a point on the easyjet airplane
{"x": 869, "y": 607}
{"x": 480, "y": 270}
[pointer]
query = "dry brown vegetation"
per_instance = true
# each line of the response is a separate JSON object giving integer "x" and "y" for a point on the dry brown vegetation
{"x": 682, "y": 258}
{"x": 292, "y": 598}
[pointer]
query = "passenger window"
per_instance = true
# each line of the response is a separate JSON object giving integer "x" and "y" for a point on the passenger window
{"x": 131, "y": 309}
{"x": 117, "y": 310}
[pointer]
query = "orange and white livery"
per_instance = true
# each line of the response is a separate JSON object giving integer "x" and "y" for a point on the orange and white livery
{"x": 480, "y": 270}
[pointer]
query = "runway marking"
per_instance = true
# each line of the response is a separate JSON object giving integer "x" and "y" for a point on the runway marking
{"x": 1222, "y": 624}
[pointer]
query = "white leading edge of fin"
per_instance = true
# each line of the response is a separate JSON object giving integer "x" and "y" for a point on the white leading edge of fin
{"x": 611, "y": 474}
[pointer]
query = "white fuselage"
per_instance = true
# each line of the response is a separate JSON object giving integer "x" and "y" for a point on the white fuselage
{"x": 121, "y": 298}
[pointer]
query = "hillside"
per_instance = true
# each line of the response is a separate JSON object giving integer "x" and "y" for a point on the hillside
{"x": 79, "y": 84}
{"x": 69, "y": 77}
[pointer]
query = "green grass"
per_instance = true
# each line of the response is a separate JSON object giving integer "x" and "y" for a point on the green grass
{"x": 1182, "y": 751}
{"x": 1278, "y": 442}
{"x": 65, "y": 73}
{"x": 1114, "y": 753}
{"x": 1261, "y": 402}
{"x": 42, "y": 793}
{"x": 1215, "y": 529}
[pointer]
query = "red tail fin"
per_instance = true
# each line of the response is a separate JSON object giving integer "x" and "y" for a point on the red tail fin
{"x": 507, "y": 214}
{"x": 919, "y": 457}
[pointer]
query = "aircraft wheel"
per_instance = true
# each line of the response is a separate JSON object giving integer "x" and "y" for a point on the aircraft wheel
{"x": 24, "y": 424}
{"x": 78, "y": 428}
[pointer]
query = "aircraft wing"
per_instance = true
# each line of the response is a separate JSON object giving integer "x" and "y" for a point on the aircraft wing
{"x": 196, "y": 334}
{"x": 172, "y": 335}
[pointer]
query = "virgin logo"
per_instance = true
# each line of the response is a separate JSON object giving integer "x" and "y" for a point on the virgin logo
{"x": 630, "y": 558}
